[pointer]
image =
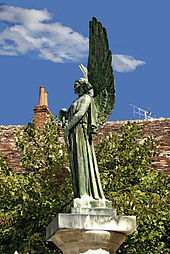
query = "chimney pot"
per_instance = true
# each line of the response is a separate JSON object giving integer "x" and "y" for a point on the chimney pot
{"x": 46, "y": 99}
{"x": 42, "y": 96}
{"x": 41, "y": 111}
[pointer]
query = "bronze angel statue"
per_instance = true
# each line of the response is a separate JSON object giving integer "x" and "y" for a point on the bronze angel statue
{"x": 95, "y": 102}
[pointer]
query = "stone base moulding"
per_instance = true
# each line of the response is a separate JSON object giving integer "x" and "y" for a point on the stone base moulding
{"x": 87, "y": 241}
{"x": 90, "y": 233}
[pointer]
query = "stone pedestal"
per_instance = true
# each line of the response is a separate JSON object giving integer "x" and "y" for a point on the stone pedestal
{"x": 90, "y": 230}
{"x": 87, "y": 241}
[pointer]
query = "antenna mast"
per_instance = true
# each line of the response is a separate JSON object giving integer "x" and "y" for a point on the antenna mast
{"x": 141, "y": 112}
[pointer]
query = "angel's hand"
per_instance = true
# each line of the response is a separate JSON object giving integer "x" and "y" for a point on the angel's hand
{"x": 66, "y": 134}
{"x": 93, "y": 129}
{"x": 62, "y": 114}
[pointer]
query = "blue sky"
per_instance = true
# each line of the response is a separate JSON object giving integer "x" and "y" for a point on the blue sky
{"x": 42, "y": 42}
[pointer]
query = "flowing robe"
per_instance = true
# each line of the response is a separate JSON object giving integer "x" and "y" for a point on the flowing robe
{"x": 84, "y": 168}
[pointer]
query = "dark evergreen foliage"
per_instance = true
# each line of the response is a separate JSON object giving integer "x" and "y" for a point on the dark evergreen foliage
{"x": 29, "y": 201}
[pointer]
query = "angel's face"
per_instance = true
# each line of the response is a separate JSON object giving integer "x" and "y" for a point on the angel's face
{"x": 78, "y": 88}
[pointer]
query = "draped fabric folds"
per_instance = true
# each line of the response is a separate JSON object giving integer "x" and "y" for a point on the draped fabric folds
{"x": 84, "y": 168}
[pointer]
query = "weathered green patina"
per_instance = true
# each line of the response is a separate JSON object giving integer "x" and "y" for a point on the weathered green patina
{"x": 96, "y": 98}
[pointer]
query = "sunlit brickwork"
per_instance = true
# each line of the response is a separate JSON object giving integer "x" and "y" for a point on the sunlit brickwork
{"x": 157, "y": 127}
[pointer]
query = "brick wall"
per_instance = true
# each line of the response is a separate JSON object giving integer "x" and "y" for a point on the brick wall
{"x": 7, "y": 146}
{"x": 157, "y": 127}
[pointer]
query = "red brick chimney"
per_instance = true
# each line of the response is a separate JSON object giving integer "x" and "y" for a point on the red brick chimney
{"x": 41, "y": 111}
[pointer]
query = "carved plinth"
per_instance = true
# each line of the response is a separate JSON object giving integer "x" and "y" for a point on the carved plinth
{"x": 87, "y": 241}
{"x": 92, "y": 206}
{"x": 89, "y": 230}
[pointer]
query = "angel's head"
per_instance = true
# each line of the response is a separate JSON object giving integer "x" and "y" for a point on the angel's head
{"x": 82, "y": 86}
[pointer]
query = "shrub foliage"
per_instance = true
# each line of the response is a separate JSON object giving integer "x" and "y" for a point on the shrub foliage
{"x": 134, "y": 189}
{"x": 31, "y": 199}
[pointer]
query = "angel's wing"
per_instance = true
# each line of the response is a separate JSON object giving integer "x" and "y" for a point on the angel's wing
{"x": 100, "y": 71}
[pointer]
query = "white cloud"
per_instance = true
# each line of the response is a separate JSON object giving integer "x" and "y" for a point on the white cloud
{"x": 30, "y": 30}
{"x": 25, "y": 31}
{"x": 124, "y": 63}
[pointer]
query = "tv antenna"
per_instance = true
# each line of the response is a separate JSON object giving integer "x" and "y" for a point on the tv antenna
{"x": 141, "y": 112}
